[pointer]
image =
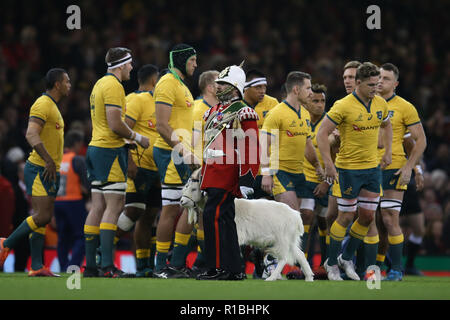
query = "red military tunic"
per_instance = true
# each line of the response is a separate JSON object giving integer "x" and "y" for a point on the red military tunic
{"x": 230, "y": 157}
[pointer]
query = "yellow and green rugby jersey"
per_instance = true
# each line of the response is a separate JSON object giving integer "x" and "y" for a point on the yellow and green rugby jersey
{"x": 308, "y": 168}
{"x": 293, "y": 130}
{"x": 403, "y": 115}
{"x": 141, "y": 109}
{"x": 200, "y": 107}
{"x": 52, "y": 133}
{"x": 173, "y": 92}
{"x": 263, "y": 107}
{"x": 358, "y": 126}
{"x": 108, "y": 92}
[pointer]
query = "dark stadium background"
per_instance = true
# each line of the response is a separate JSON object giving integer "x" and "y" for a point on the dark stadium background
{"x": 274, "y": 36}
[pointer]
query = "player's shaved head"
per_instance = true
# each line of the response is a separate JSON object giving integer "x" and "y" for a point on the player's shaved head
{"x": 146, "y": 72}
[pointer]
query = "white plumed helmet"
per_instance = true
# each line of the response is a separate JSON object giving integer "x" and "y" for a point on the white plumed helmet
{"x": 235, "y": 76}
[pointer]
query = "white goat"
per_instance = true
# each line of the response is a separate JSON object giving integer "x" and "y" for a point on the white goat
{"x": 266, "y": 224}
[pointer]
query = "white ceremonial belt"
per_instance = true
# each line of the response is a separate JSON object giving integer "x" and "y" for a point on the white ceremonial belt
{"x": 213, "y": 154}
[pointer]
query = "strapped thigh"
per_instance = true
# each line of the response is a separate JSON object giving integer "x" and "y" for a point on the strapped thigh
{"x": 347, "y": 205}
{"x": 368, "y": 203}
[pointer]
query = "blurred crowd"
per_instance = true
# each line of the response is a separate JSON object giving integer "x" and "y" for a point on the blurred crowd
{"x": 275, "y": 37}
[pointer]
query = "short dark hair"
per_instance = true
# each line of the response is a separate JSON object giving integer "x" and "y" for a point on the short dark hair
{"x": 367, "y": 70}
{"x": 295, "y": 78}
{"x": 319, "y": 88}
{"x": 206, "y": 78}
{"x": 352, "y": 64}
{"x": 253, "y": 73}
{"x": 52, "y": 76}
{"x": 145, "y": 72}
{"x": 72, "y": 137}
{"x": 391, "y": 67}
{"x": 115, "y": 54}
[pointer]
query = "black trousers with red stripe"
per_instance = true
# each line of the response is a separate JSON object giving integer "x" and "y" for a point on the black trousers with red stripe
{"x": 221, "y": 241}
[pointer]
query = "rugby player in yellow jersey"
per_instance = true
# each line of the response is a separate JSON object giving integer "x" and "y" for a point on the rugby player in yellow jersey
{"x": 315, "y": 194}
{"x": 106, "y": 162}
{"x": 172, "y": 155}
{"x": 45, "y": 134}
{"x": 349, "y": 83}
{"x": 289, "y": 125}
{"x": 143, "y": 194}
{"x": 396, "y": 176}
{"x": 208, "y": 88}
{"x": 357, "y": 174}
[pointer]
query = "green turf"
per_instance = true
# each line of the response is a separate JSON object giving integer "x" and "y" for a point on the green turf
{"x": 19, "y": 286}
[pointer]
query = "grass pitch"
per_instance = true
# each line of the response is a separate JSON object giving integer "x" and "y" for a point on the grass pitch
{"x": 20, "y": 286}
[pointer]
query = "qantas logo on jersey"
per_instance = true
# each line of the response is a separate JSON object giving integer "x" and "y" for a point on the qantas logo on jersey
{"x": 363, "y": 128}
{"x": 188, "y": 104}
{"x": 151, "y": 124}
{"x": 58, "y": 126}
{"x": 290, "y": 134}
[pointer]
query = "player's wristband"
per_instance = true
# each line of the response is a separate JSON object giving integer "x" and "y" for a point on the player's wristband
{"x": 265, "y": 172}
{"x": 418, "y": 169}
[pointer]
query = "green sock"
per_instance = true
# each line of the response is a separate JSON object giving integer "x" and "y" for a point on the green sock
{"x": 107, "y": 234}
{"x": 333, "y": 251}
{"x": 142, "y": 259}
{"x": 371, "y": 250}
{"x": 352, "y": 245}
{"x": 161, "y": 258}
{"x": 22, "y": 230}
{"x": 396, "y": 251}
{"x": 361, "y": 259}
{"x": 91, "y": 242}
{"x": 305, "y": 238}
{"x": 180, "y": 249}
{"x": 37, "y": 242}
{"x": 357, "y": 233}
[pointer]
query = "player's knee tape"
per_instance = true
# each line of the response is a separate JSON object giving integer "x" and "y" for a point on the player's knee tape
{"x": 322, "y": 212}
{"x": 137, "y": 205}
{"x": 124, "y": 222}
{"x": 171, "y": 194}
{"x": 308, "y": 204}
{"x": 391, "y": 204}
{"x": 368, "y": 203}
{"x": 109, "y": 187}
{"x": 347, "y": 205}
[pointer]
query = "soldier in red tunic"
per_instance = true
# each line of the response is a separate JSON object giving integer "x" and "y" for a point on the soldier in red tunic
{"x": 230, "y": 164}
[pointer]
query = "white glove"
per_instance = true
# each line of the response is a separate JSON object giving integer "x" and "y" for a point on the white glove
{"x": 246, "y": 191}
